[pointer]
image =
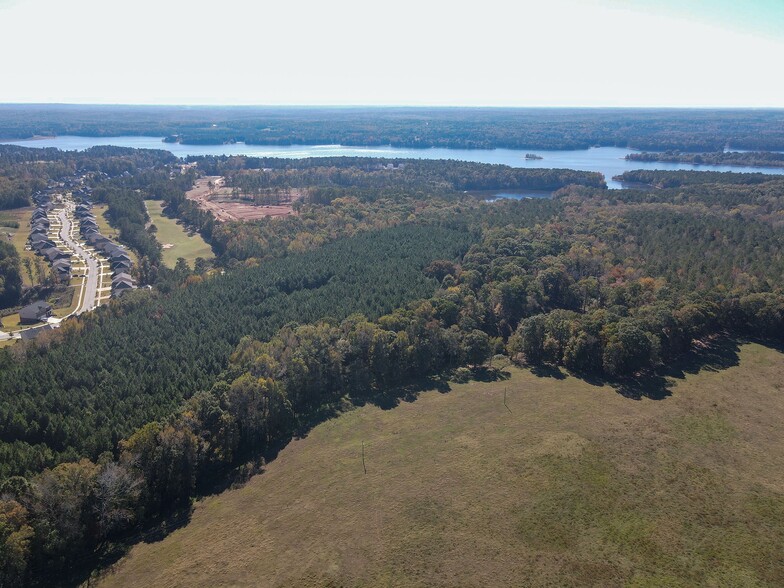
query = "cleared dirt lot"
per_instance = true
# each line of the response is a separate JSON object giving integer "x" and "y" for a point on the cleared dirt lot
{"x": 211, "y": 195}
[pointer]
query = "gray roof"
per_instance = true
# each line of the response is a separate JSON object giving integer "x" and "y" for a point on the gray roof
{"x": 119, "y": 253}
{"x": 35, "y": 311}
{"x": 40, "y": 246}
{"x": 122, "y": 277}
{"x": 54, "y": 253}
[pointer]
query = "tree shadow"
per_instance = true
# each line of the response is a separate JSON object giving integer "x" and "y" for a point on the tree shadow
{"x": 548, "y": 371}
{"x": 652, "y": 386}
{"x": 159, "y": 530}
{"x": 389, "y": 398}
{"x": 489, "y": 374}
{"x": 713, "y": 355}
{"x": 83, "y": 570}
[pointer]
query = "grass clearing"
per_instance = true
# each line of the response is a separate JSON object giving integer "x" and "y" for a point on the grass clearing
{"x": 10, "y": 322}
{"x": 19, "y": 236}
{"x": 68, "y": 301}
{"x": 576, "y": 486}
{"x": 169, "y": 232}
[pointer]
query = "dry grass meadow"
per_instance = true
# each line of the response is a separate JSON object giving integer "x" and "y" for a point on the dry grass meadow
{"x": 18, "y": 236}
{"x": 574, "y": 484}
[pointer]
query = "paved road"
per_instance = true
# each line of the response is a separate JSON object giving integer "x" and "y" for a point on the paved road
{"x": 90, "y": 289}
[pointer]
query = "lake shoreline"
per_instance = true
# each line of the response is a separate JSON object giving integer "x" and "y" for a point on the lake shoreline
{"x": 609, "y": 161}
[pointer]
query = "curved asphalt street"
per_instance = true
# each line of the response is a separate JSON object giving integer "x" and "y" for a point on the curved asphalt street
{"x": 90, "y": 289}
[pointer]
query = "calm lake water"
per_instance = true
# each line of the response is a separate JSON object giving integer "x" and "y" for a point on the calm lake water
{"x": 607, "y": 160}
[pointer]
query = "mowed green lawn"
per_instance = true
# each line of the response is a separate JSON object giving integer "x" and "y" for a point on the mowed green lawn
{"x": 170, "y": 233}
{"x": 573, "y": 485}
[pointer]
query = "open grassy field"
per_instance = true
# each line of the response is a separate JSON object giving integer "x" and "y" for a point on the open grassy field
{"x": 19, "y": 236}
{"x": 572, "y": 485}
{"x": 170, "y": 233}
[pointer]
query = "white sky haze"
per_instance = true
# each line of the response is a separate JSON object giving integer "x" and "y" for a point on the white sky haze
{"x": 543, "y": 53}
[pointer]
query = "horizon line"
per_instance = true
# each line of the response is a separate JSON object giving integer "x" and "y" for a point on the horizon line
{"x": 401, "y": 105}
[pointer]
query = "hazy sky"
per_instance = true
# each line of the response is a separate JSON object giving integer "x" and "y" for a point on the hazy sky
{"x": 487, "y": 52}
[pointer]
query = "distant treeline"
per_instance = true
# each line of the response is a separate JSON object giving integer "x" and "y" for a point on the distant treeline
{"x": 672, "y": 179}
{"x": 343, "y": 195}
{"x": 400, "y": 175}
{"x": 748, "y": 158}
{"x": 25, "y": 171}
{"x": 467, "y": 128}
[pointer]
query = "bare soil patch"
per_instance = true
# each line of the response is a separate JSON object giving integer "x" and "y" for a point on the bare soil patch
{"x": 212, "y": 195}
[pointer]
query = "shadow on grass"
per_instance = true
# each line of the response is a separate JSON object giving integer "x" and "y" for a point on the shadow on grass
{"x": 548, "y": 371}
{"x": 487, "y": 374}
{"x": 714, "y": 356}
{"x": 83, "y": 571}
{"x": 391, "y": 397}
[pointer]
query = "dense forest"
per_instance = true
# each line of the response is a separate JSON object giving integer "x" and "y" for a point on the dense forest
{"x": 10, "y": 275}
{"x": 388, "y": 176}
{"x": 344, "y": 195}
{"x": 135, "y": 360}
{"x": 389, "y": 273}
{"x": 749, "y": 158}
{"x": 673, "y": 179}
{"x": 515, "y": 128}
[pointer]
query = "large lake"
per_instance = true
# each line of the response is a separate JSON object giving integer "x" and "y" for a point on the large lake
{"x": 607, "y": 160}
